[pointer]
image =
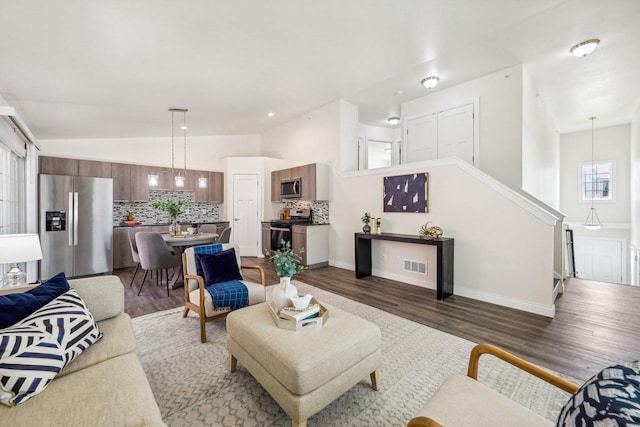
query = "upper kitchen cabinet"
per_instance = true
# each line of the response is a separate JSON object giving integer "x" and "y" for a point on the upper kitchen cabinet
{"x": 139, "y": 183}
{"x": 58, "y": 166}
{"x": 216, "y": 187}
{"x": 94, "y": 169}
{"x": 209, "y": 186}
{"x": 121, "y": 174}
{"x": 314, "y": 179}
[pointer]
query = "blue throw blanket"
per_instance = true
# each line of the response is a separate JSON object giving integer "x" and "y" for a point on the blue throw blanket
{"x": 233, "y": 294}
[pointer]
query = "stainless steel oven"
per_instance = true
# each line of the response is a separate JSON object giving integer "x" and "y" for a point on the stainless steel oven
{"x": 279, "y": 231}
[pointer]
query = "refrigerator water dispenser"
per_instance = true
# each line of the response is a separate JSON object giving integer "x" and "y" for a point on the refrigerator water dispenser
{"x": 55, "y": 220}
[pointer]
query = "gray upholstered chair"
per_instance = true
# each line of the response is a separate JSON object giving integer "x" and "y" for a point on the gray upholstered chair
{"x": 134, "y": 253}
{"x": 224, "y": 236}
{"x": 155, "y": 255}
{"x": 198, "y": 299}
{"x": 208, "y": 228}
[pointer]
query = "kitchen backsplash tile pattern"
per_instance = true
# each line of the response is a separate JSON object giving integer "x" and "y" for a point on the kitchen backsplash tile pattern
{"x": 319, "y": 209}
{"x": 147, "y": 214}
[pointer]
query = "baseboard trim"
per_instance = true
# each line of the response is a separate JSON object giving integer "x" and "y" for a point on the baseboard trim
{"x": 404, "y": 279}
{"x": 543, "y": 310}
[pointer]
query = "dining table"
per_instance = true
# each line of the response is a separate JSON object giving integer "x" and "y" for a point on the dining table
{"x": 182, "y": 241}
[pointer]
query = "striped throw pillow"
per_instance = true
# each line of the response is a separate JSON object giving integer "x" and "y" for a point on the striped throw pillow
{"x": 34, "y": 350}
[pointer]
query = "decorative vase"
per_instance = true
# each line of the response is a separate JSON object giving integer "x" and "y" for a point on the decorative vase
{"x": 283, "y": 292}
{"x": 174, "y": 227}
{"x": 366, "y": 228}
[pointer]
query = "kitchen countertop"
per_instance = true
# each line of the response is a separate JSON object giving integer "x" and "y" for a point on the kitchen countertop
{"x": 302, "y": 224}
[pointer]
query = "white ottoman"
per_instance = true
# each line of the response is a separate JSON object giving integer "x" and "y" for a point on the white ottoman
{"x": 304, "y": 371}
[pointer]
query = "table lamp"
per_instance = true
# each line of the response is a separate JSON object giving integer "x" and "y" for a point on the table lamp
{"x": 16, "y": 248}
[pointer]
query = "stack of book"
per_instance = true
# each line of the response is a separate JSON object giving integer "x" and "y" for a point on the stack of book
{"x": 309, "y": 313}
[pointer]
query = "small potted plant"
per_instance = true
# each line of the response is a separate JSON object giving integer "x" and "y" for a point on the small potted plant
{"x": 174, "y": 208}
{"x": 287, "y": 264}
{"x": 366, "y": 219}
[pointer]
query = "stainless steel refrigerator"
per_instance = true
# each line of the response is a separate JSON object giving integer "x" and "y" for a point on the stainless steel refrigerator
{"x": 76, "y": 225}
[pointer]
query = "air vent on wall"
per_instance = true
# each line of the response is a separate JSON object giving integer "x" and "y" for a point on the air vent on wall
{"x": 415, "y": 266}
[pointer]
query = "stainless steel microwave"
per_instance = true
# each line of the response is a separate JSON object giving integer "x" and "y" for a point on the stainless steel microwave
{"x": 291, "y": 188}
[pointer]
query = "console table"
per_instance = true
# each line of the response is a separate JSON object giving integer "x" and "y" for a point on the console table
{"x": 444, "y": 257}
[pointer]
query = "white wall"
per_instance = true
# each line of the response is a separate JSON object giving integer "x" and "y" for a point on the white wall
{"x": 610, "y": 143}
{"x": 203, "y": 152}
{"x": 540, "y": 147}
{"x": 635, "y": 196}
{"x": 500, "y": 114}
{"x": 503, "y": 253}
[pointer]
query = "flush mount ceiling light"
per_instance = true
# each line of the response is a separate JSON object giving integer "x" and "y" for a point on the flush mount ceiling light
{"x": 393, "y": 121}
{"x": 271, "y": 114}
{"x": 430, "y": 82}
{"x": 585, "y": 48}
{"x": 593, "y": 221}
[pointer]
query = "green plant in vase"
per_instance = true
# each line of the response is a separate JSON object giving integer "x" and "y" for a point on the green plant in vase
{"x": 174, "y": 208}
{"x": 287, "y": 264}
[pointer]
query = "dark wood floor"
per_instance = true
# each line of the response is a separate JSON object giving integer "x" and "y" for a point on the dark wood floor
{"x": 596, "y": 324}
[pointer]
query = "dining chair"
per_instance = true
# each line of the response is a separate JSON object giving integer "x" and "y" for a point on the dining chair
{"x": 155, "y": 255}
{"x": 134, "y": 253}
{"x": 224, "y": 236}
{"x": 208, "y": 228}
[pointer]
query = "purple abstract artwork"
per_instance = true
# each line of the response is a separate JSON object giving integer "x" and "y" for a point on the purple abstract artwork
{"x": 406, "y": 193}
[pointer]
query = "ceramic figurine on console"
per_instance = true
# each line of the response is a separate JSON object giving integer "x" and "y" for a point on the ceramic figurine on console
{"x": 287, "y": 264}
{"x": 366, "y": 218}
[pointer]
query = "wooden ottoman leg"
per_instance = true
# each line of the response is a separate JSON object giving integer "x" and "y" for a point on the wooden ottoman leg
{"x": 375, "y": 379}
{"x": 302, "y": 423}
{"x": 233, "y": 363}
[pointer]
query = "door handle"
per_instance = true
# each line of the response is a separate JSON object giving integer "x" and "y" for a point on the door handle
{"x": 75, "y": 218}
{"x": 70, "y": 218}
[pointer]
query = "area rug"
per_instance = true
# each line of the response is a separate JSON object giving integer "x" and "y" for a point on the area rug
{"x": 193, "y": 386}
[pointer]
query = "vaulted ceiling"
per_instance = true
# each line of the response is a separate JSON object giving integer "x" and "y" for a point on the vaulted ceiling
{"x": 78, "y": 69}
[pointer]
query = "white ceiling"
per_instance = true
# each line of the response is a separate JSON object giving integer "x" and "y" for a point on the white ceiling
{"x": 79, "y": 69}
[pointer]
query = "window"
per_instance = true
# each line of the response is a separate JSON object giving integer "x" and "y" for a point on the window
{"x": 11, "y": 195}
{"x": 597, "y": 181}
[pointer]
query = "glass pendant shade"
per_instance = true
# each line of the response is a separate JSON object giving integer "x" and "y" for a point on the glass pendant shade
{"x": 179, "y": 181}
{"x": 202, "y": 182}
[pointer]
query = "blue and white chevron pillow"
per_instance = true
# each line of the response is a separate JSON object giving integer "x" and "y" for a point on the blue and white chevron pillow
{"x": 609, "y": 398}
{"x": 34, "y": 350}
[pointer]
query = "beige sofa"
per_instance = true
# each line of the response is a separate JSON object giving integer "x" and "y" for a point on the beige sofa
{"x": 105, "y": 385}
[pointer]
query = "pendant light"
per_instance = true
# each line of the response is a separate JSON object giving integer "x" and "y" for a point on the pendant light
{"x": 593, "y": 221}
{"x": 179, "y": 178}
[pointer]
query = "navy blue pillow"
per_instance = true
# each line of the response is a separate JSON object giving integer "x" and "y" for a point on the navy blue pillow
{"x": 15, "y": 307}
{"x": 220, "y": 267}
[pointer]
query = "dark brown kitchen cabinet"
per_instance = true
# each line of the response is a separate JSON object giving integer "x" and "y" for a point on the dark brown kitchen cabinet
{"x": 94, "y": 169}
{"x": 165, "y": 178}
{"x": 314, "y": 179}
{"x": 58, "y": 166}
{"x": 139, "y": 183}
{"x": 121, "y": 173}
{"x": 216, "y": 187}
{"x": 201, "y": 187}
{"x": 190, "y": 181}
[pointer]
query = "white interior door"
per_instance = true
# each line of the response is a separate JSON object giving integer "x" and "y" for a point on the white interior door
{"x": 245, "y": 213}
{"x": 600, "y": 259}
{"x": 455, "y": 133}
{"x": 422, "y": 139}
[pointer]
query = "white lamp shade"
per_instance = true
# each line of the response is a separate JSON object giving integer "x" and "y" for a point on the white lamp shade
{"x": 15, "y": 248}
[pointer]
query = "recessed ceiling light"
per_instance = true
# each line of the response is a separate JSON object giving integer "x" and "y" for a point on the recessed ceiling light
{"x": 430, "y": 82}
{"x": 393, "y": 121}
{"x": 271, "y": 114}
{"x": 585, "y": 48}
{"x": 183, "y": 127}
{"x": 398, "y": 92}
